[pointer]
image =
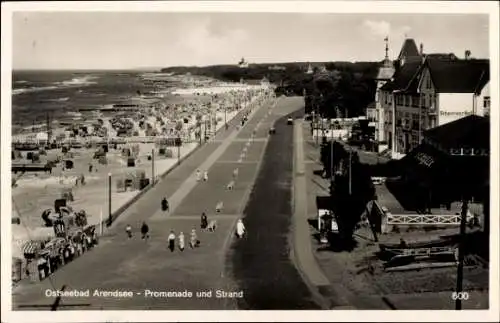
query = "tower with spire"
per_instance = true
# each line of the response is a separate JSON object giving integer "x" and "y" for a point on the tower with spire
{"x": 385, "y": 73}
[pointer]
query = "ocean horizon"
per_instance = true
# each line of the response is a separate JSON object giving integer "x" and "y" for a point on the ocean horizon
{"x": 61, "y": 93}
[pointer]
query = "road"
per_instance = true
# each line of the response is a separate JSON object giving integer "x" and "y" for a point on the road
{"x": 135, "y": 265}
{"x": 261, "y": 262}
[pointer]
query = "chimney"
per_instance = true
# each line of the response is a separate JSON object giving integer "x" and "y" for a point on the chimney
{"x": 421, "y": 49}
{"x": 467, "y": 54}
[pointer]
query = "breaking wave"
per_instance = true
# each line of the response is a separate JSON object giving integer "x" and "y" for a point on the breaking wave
{"x": 74, "y": 82}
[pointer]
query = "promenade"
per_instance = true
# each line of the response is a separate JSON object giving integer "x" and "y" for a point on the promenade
{"x": 136, "y": 265}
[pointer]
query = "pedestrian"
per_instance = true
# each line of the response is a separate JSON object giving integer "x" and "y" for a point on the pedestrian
{"x": 198, "y": 175}
{"x": 181, "y": 241}
{"x": 194, "y": 242}
{"x": 128, "y": 230}
{"x": 240, "y": 229}
{"x": 204, "y": 221}
{"x": 205, "y": 176}
{"x": 90, "y": 167}
{"x": 164, "y": 205}
{"x": 145, "y": 230}
{"x": 171, "y": 241}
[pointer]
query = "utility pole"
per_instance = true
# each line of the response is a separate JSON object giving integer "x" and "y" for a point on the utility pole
{"x": 460, "y": 267}
{"x": 331, "y": 154}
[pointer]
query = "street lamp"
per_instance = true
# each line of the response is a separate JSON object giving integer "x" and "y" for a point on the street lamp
{"x": 110, "y": 220}
{"x": 153, "y": 166}
{"x": 225, "y": 116}
{"x": 178, "y": 143}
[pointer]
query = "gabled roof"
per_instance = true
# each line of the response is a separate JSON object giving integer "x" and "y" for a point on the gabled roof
{"x": 458, "y": 75}
{"x": 409, "y": 49}
{"x": 469, "y": 132}
{"x": 403, "y": 76}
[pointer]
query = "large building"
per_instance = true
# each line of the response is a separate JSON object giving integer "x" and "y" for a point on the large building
{"x": 429, "y": 90}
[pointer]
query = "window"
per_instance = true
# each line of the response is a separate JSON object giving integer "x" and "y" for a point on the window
{"x": 486, "y": 102}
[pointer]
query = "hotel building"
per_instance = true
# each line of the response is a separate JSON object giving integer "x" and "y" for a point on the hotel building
{"x": 426, "y": 91}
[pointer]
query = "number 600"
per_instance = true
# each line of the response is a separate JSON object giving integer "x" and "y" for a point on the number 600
{"x": 463, "y": 296}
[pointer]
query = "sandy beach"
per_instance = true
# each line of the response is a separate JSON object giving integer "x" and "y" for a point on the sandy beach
{"x": 195, "y": 112}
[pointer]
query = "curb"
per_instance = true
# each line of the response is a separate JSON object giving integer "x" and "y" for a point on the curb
{"x": 316, "y": 294}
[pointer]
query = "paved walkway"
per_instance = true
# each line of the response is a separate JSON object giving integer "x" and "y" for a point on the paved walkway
{"x": 303, "y": 248}
{"x": 133, "y": 264}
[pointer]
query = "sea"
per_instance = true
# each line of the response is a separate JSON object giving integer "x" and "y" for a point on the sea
{"x": 59, "y": 95}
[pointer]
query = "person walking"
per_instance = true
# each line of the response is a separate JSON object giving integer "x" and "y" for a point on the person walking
{"x": 128, "y": 230}
{"x": 181, "y": 241}
{"x": 240, "y": 229}
{"x": 164, "y": 205}
{"x": 145, "y": 230}
{"x": 171, "y": 241}
{"x": 193, "y": 241}
{"x": 204, "y": 221}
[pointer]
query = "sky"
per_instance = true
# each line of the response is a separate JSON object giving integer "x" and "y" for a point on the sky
{"x": 112, "y": 40}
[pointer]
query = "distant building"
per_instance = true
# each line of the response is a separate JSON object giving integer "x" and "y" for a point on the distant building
{"x": 429, "y": 90}
{"x": 242, "y": 63}
{"x": 309, "y": 70}
{"x": 277, "y": 68}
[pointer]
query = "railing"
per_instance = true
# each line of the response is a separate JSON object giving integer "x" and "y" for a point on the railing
{"x": 424, "y": 219}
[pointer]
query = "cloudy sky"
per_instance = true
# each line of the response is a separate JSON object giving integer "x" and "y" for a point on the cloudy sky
{"x": 107, "y": 40}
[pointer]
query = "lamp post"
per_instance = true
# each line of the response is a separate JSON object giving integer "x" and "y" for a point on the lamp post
{"x": 153, "y": 166}
{"x": 110, "y": 220}
{"x": 225, "y": 116}
{"x": 178, "y": 143}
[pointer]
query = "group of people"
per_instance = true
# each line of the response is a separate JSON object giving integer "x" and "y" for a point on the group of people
{"x": 194, "y": 241}
{"x": 198, "y": 175}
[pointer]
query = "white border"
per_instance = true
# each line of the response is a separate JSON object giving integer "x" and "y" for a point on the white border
{"x": 373, "y": 7}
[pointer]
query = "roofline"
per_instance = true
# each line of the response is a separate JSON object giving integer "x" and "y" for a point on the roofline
{"x": 478, "y": 83}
